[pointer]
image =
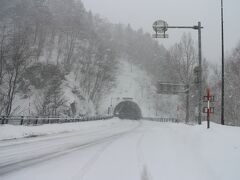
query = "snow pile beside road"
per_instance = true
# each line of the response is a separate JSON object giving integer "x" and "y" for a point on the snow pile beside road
{"x": 15, "y": 132}
{"x": 192, "y": 152}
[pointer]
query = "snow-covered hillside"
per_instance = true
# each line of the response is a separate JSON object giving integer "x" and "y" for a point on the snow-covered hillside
{"x": 134, "y": 82}
{"x": 71, "y": 91}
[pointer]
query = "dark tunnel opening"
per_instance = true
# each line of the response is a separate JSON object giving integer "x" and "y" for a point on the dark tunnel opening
{"x": 128, "y": 110}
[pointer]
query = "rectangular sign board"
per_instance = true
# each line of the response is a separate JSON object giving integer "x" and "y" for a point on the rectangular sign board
{"x": 170, "y": 88}
{"x": 160, "y": 36}
{"x": 205, "y": 99}
{"x": 211, "y": 110}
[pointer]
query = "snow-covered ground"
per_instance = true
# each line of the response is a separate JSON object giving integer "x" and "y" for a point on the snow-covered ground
{"x": 16, "y": 132}
{"x": 125, "y": 150}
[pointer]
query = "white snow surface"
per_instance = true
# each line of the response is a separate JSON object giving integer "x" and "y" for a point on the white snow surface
{"x": 16, "y": 132}
{"x": 124, "y": 150}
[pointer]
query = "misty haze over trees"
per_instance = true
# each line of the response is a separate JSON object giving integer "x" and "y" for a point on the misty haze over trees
{"x": 43, "y": 43}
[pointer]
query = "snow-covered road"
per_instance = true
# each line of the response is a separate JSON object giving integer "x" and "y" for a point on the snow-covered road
{"x": 126, "y": 150}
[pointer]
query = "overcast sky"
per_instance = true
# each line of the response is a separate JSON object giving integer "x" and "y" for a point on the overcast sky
{"x": 142, "y": 14}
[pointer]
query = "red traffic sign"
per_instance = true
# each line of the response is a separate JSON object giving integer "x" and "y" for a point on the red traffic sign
{"x": 208, "y": 98}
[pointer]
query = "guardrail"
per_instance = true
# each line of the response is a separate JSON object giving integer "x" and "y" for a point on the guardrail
{"x": 29, "y": 120}
{"x": 159, "y": 119}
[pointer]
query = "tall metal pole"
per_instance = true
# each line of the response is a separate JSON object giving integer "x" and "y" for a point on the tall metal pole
{"x": 187, "y": 104}
{"x": 222, "y": 105}
{"x": 200, "y": 74}
{"x": 160, "y": 27}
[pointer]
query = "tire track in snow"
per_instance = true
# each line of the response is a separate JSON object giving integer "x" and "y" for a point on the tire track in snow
{"x": 19, "y": 164}
{"x": 84, "y": 170}
{"x": 62, "y": 135}
{"x": 28, "y": 162}
{"x": 87, "y": 167}
{"x": 143, "y": 169}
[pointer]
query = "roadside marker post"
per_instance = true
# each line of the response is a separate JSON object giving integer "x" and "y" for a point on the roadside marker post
{"x": 208, "y": 109}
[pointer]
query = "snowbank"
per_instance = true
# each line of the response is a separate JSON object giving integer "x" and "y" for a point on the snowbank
{"x": 15, "y": 132}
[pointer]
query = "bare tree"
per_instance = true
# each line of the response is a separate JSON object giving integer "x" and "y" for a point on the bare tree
{"x": 183, "y": 59}
{"x": 232, "y": 86}
{"x": 18, "y": 58}
{"x": 51, "y": 101}
{"x": 3, "y": 49}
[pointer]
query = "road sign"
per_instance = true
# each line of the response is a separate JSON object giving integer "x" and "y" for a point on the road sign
{"x": 170, "y": 88}
{"x": 206, "y": 99}
{"x": 160, "y": 26}
{"x": 209, "y": 109}
{"x": 160, "y": 35}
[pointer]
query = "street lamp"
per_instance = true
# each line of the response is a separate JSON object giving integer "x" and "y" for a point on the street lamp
{"x": 160, "y": 27}
{"x": 222, "y": 104}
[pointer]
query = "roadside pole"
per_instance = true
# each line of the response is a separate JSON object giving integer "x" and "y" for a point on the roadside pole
{"x": 208, "y": 109}
{"x": 200, "y": 74}
{"x": 160, "y": 27}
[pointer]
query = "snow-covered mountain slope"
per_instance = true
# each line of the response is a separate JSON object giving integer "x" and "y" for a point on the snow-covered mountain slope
{"x": 134, "y": 82}
{"x": 131, "y": 82}
{"x": 71, "y": 92}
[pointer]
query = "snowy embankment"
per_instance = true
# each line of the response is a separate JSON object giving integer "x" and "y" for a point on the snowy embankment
{"x": 15, "y": 132}
{"x": 192, "y": 152}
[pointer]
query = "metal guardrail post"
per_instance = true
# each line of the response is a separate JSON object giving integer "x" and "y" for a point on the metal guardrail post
{"x": 21, "y": 122}
{"x": 2, "y": 119}
{"x": 6, "y": 120}
{"x": 36, "y": 121}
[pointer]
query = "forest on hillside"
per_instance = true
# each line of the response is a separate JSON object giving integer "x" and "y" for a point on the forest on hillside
{"x": 42, "y": 42}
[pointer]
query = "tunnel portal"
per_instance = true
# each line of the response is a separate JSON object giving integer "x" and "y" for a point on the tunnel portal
{"x": 128, "y": 110}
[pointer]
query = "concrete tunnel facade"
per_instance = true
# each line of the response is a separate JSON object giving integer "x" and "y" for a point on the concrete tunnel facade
{"x": 128, "y": 110}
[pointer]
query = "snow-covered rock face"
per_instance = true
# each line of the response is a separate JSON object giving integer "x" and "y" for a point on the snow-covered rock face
{"x": 75, "y": 99}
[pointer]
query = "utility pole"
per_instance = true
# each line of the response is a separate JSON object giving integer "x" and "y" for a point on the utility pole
{"x": 200, "y": 74}
{"x": 222, "y": 104}
{"x": 187, "y": 103}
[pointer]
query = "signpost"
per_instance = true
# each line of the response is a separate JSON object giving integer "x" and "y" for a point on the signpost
{"x": 160, "y": 27}
{"x": 209, "y": 109}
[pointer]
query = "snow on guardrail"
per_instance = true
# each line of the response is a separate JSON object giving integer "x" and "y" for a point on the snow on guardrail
{"x": 28, "y": 120}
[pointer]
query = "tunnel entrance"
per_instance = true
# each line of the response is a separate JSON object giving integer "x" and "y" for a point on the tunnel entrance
{"x": 128, "y": 110}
